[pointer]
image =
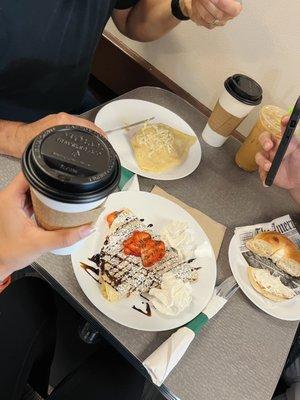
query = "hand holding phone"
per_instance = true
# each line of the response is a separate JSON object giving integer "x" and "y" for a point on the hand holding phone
{"x": 286, "y": 138}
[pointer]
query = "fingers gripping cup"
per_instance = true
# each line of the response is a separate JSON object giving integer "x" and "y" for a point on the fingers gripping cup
{"x": 71, "y": 170}
{"x": 240, "y": 96}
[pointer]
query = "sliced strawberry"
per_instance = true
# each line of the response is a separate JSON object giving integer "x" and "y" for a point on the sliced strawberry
{"x": 161, "y": 247}
{"x": 133, "y": 249}
{"x": 111, "y": 217}
{"x": 152, "y": 252}
{"x": 128, "y": 241}
{"x": 127, "y": 251}
{"x": 135, "y": 243}
{"x": 141, "y": 237}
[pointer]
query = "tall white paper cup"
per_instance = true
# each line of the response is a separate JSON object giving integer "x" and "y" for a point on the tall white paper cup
{"x": 240, "y": 96}
{"x": 71, "y": 170}
{"x": 51, "y": 212}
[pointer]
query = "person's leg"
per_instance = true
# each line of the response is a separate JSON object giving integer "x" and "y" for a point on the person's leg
{"x": 292, "y": 378}
{"x": 291, "y": 372}
{"x": 27, "y": 337}
{"x": 106, "y": 375}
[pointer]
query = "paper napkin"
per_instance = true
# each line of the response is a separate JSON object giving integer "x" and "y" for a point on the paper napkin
{"x": 214, "y": 230}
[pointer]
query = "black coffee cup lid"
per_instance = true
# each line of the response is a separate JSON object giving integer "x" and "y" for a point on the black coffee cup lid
{"x": 244, "y": 89}
{"x": 71, "y": 164}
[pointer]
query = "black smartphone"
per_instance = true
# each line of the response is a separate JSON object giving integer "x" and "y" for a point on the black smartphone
{"x": 284, "y": 143}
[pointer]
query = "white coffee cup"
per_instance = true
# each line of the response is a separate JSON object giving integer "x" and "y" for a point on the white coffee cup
{"x": 71, "y": 171}
{"x": 240, "y": 96}
{"x": 49, "y": 211}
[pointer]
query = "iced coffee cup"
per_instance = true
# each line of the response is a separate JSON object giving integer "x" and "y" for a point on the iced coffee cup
{"x": 240, "y": 96}
{"x": 269, "y": 120}
{"x": 71, "y": 171}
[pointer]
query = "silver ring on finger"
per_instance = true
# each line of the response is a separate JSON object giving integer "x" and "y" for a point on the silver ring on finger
{"x": 216, "y": 22}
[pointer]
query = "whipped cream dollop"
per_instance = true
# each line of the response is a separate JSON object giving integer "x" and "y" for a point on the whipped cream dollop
{"x": 272, "y": 283}
{"x": 173, "y": 297}
{"x": 178, "y": 235}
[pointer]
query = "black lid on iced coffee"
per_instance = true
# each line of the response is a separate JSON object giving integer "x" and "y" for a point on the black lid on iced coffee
{"x": 244, "y": 89}
{"x": 71, "y": 164}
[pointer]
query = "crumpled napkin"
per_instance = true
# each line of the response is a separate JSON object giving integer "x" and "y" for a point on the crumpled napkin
{"x": 162, "y": 361}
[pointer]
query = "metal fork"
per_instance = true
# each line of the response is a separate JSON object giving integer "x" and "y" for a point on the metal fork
{"x": 227, "y": 288}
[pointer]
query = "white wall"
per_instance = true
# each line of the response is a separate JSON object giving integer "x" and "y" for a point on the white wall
{"x": 263, "y": 42}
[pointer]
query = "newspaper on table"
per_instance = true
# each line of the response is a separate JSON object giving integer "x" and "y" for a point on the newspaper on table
{"x": 283, "y": 225}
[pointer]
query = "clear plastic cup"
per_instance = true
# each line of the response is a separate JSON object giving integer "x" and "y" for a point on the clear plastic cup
{"x": 269, "y": 120}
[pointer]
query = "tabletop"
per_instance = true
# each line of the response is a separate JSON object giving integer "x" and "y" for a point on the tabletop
{"x": 241, "y": 352}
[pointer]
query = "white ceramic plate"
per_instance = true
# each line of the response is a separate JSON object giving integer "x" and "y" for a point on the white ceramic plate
{"x": 128, "y": 111}
{"x": 287, "y": 310}
{"x": 158, "y": 211}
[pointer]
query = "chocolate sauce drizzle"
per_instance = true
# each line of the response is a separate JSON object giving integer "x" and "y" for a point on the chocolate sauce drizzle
{"x": 148, "y": 312}
{"x": 88, "y": 268}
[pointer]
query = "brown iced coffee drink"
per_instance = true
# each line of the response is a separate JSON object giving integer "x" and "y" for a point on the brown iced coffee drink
{"x": 269, "y": 120}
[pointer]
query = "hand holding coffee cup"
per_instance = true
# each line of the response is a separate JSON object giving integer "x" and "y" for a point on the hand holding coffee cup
{"x": 71, "y": 171}
{"x": 240, "y": 96}
{"x": 22, "y": 241}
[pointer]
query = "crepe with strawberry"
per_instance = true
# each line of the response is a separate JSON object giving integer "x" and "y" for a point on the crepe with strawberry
{"x": 133, "y": 258}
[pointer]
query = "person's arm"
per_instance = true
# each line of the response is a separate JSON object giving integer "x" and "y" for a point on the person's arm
{"x": 10, "y": 142}
{"x": 14, "y": 136}
{"x": 295, "y": 193}
{"x": 149, "y": 20}
{"x": 5, "y": 283}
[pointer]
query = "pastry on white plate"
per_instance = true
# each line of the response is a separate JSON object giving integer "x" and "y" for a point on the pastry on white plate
{"x": 159, "y": 147}
{"x": 281, "y": 250}
{"x": 269, "y": 285}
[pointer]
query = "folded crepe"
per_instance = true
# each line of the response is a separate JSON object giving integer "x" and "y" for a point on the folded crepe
{"x": 159, "y": 147}
{"x": 122, "y": 275}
